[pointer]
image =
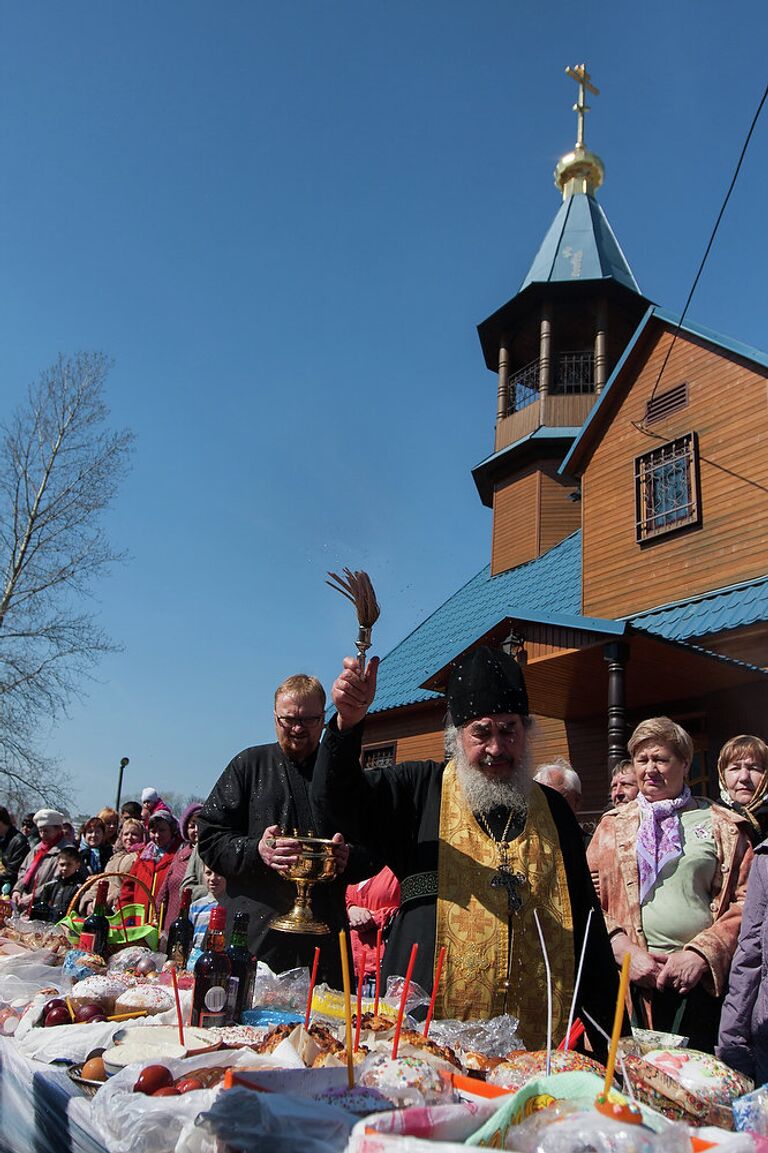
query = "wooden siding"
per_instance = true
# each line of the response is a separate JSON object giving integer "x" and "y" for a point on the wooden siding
{"x": 417, "y": 733}
{"x": 515, "y": 521}
{"x": 531, "y": 514}
{"x": 727, "y": 409}
{"x": 551, "y": 412}
{"x": 558, "y": 516}
{"x": 749, "y": 644}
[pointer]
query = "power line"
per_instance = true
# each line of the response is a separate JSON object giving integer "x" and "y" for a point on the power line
{"x": 720, "y": 214}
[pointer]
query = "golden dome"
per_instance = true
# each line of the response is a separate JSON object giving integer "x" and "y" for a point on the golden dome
{"x": 579, "y": 171}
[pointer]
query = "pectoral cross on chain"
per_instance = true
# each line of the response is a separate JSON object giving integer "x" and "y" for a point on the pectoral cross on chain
{"x": 513, "y": 883}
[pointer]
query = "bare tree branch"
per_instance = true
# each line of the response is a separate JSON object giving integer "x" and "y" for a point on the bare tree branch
{"x": 60, "y": 468}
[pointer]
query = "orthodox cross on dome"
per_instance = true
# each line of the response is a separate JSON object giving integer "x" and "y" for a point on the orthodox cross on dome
{"x": 584, "y": 80}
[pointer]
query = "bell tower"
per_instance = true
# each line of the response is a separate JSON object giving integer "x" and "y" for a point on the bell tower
{"x": 552, "y": 348}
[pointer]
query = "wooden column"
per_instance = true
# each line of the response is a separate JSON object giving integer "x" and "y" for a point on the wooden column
{"x": 617, "y": 655}
{"x": 504, "y": 402}
{"x": 545, "y": 350}
{"x": 601, "y": 363}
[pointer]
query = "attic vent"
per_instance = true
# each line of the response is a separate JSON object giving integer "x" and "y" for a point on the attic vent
{"x": 666, "y": 403}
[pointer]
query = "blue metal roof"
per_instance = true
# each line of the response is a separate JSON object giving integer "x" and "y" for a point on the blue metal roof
{"x": 727, "y": 608}
{"x": 547, "y": 589}
{"x": 580, "y": 245}
{"x": 543, "y": 432}
{"x": 549, "y": 584}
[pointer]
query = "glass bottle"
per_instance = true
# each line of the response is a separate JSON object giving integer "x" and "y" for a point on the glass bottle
{"x": 94, "y": 934}
{"x": 213, "y": 969}
{"x": 243, "y": 968}
{"x": 180, "y": 933}
{"x": 6, "y": 905}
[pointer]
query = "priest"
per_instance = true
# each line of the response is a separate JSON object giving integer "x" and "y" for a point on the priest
{"x": 477, "y": 846}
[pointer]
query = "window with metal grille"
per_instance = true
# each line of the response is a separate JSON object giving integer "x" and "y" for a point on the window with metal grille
{"x": 666, "y": 403}
{"x": 667, "y": 487}
{"x": 379, "y": 757}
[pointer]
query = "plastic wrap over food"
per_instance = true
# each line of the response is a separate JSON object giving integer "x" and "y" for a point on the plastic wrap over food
{"x": 521, "y": 1067}
{"x": 30, "y": 976}
{"x": 709, "y": 1079}
{"x": 137, "y": 959}
{"x": 34, "y": 935}
{"x": 370, "y": 1141}
{"x": 79, "y": 964}
{"x": 287, "y": 990}
{"x": 268, "y": 1017}
{"x": 496, "y": 1037}
{"x": 750, "y": 1112}
{"x": 563, "y": 1128}
{"x": 241, "y": 1120}
{"x": 452, "y": 1122}
{"x": 405, "y": 1080}
{"x": 137, "y": 1123}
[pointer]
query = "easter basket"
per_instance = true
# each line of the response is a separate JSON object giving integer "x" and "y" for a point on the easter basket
{"x": 133, "y": 924}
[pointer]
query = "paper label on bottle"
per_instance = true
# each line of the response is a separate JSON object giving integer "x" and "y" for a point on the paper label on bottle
{"x": 87, "y": 942}
{"x": 215, "y": 998}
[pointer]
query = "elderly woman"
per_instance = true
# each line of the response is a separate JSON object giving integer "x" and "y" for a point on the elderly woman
{"x": 670, "y": 870}
{"x": 170, "y": 893}
{"x": 131, "y": 840}
{"x": 743, "y": 771}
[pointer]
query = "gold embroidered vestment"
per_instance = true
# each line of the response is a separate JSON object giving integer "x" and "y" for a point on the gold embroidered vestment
{"x": 473, "y": 919}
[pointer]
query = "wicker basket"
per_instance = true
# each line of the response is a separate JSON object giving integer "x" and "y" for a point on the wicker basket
{"x": 144, "y": 931}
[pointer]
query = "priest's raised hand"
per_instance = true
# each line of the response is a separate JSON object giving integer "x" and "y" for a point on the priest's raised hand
{"x": 353, "y": 691}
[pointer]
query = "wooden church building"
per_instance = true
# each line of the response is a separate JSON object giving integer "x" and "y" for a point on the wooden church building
{"x": 629, "y": 489}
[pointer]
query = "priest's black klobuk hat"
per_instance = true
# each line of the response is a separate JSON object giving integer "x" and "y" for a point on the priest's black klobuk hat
{"x": 486, "y": 682}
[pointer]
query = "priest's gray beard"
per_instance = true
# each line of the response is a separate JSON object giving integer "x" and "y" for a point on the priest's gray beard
{"x": 483, "y": 792}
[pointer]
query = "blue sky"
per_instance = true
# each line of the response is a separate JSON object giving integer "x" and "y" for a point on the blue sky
{"x": 284, "y": 222}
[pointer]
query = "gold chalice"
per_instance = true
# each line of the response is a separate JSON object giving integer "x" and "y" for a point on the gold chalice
{"x": 315, "y": 864}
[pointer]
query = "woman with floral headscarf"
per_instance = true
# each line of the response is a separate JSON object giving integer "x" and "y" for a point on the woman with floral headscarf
{"x": 670, "y": 870}
{"x": 170, "y": 892}
{"x": 743, "y": 771}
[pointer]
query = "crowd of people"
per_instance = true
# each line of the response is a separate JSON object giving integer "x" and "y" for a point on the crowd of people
{"x": 481, "y": 853}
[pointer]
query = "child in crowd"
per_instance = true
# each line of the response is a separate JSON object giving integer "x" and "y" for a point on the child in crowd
{"x": 200, "y": 912}
{"x": 52, "y": 901}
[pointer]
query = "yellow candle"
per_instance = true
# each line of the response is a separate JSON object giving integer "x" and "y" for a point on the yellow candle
{"x": 617, "y": 1023}
{"x": 347, "y": 1005}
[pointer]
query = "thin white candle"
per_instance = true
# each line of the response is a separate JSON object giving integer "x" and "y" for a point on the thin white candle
{"x": 549, "y": 991}
{"x": 578, "y": 978}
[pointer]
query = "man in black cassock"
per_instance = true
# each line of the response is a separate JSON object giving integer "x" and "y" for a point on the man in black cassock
{"x": 264, "y": 793}
{"x": 478, "y": 848}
